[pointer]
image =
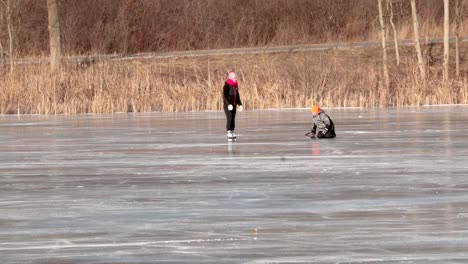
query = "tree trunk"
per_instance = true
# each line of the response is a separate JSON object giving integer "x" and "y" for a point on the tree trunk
{"x": 457, "y": 36}
{"x": 2, "y": 52}
{"x": 8, "y": 13}
{"x": 54, "y": 34}
{"x": 395, "y": 34}
{"x": 422, "y": 67}
{"x": 384, "y": 45}
{"x": 446, "y": 39}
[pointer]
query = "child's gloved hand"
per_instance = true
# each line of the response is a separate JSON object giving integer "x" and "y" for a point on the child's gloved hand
{"x": 230, "y": 107}
{"x": 310, "y": 134}
{"x": 241, "y": 108}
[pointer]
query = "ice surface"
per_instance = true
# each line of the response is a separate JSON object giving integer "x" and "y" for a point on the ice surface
{"x": 168, "y": 187}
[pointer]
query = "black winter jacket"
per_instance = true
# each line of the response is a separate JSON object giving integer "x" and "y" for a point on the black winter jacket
{"x": 231, "y": 95}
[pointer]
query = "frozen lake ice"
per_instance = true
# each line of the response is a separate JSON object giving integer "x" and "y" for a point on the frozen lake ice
{"x": 168, "y": 187}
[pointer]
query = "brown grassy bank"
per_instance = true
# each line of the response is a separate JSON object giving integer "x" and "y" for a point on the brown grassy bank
{"x": 345, "y": 77}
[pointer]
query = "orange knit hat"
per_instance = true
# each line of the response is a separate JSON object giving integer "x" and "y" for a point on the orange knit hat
{"x": 315, "y": 109}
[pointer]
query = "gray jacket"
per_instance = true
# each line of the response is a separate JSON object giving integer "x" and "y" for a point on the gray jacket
{"x": 322, "y": 123}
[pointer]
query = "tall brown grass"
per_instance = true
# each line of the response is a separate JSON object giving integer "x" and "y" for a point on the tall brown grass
{"x": 332, "y": 78}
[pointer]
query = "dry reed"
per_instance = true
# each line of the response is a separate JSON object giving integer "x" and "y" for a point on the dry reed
{"x": 333, "y": 78}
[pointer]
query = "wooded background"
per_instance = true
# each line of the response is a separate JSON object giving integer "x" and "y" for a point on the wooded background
{"x": 422, "y": 73}
{"x": 131, "y": 26}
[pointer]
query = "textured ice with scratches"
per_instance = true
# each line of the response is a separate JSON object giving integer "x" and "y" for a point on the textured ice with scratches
{"x": 168, "y": 187}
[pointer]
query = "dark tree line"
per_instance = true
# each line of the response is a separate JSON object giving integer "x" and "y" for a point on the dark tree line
{"x": 130, "y": 26}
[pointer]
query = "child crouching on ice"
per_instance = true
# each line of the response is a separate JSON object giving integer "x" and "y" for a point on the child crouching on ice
{"x": 323, "y": 126}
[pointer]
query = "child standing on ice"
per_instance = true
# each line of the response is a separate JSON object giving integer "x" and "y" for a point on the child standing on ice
{"x": 323, "y": 126}
{"x": 232, "y": 102}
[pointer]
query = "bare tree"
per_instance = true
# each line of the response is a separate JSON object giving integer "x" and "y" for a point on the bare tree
{"x": 395, "y": 34}
{"x": 2, "y": 52}
{"x": 458, "y": 4}
{"x": 384, "y": 45}
{"x": 422, "y": 67}
{"x": 446, "y": 39}
{"x": 9, "y": 7}
{"x": 54, "y": 34}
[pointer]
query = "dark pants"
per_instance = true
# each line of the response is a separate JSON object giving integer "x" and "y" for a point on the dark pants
{"x": 230, "y": 118}
{"x": 329, "y": 134}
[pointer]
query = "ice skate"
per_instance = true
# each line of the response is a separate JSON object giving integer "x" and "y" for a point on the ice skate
{"x": 231, "y": 136}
